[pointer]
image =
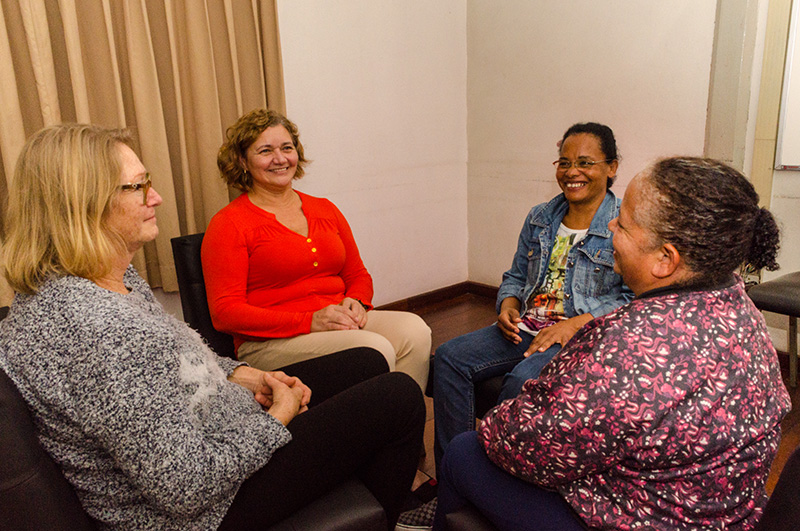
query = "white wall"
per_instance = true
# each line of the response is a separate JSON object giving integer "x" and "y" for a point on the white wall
{"x": 537, "y": 67}
{"x": 785, "y": 206}
{"x": 378, "y": 90}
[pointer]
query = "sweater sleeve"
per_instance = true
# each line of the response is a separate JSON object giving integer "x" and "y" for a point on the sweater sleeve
{"x": 357, "y": 280}
{"x": 225, "y": 266}
{"x": 137, "y": 413}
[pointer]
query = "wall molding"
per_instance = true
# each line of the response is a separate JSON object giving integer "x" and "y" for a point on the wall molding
{"x": 442, "y": 294}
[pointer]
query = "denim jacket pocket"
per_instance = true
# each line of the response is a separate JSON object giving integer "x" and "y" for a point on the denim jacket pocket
{"x": 595, "y": 274}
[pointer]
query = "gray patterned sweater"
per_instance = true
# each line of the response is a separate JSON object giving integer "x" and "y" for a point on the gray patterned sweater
{"x": 133, "y": 406}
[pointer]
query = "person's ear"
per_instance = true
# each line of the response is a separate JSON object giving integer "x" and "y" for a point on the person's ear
{"x": 668, "y": 262}
{"x": 613, "y": 165}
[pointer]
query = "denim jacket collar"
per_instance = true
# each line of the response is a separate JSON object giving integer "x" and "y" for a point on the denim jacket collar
{"x": 556, "y": 209}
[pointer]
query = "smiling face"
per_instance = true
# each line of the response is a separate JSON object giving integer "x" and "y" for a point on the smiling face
{"x": 635, "y": 253}
{"x": 128, "y": 217}
{"x": 272, "y": 159}
{"x": 586, "y": 186}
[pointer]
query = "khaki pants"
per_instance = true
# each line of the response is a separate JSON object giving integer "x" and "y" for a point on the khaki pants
{"x": 402, "y": 337}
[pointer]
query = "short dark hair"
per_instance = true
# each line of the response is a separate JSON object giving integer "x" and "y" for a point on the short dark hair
{"x": 608, "y": 144}
{"x": 709, "y": 212}
{"x": 241, "y": 136}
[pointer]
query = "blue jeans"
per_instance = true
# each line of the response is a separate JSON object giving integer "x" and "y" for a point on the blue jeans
{"x": 466, "y": 360}
{"x": 468, "y": 477}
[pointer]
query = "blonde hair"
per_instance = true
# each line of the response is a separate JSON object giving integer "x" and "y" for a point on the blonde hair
{"x": 241, "y": 136}
{"x": 63, "y": 185}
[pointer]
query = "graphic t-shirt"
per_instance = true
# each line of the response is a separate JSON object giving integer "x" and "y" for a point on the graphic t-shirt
{"x": 546, "y": 304}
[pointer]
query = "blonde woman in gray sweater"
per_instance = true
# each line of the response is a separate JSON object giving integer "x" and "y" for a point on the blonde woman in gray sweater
{"x": 152, "y": 429}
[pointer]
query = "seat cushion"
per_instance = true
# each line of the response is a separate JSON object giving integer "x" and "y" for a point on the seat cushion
{"x": 33, "y": 492}
{"x": 349, "y": 507}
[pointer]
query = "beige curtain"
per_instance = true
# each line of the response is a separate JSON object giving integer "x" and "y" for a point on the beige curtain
{"x": 177, "y": 72}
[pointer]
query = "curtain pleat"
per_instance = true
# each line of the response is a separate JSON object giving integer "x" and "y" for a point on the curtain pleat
{"x": 75, "y": 60}
{"x": 177, "y": 72}
{"x": 34, "y": 22}
{"x": 10, "y": 111}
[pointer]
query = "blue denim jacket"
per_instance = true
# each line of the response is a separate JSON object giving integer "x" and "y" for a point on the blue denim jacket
{"x": 591, "y": 285}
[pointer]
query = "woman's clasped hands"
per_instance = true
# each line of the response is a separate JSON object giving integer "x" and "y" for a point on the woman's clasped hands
{"x": 282, "y": 396}
{"x": 347, "y": 315}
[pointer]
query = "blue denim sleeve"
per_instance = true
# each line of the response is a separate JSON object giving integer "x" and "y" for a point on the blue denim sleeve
{"x": 613, "y": 300}
{"x": 514, "y": 279}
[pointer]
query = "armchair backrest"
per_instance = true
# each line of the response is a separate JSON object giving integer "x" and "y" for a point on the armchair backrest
{"x": 34, "y": 494}
{"x": 192, "y": 286}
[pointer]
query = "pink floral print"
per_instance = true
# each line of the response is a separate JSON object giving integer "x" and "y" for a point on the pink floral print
{"x": 664, "y": 414}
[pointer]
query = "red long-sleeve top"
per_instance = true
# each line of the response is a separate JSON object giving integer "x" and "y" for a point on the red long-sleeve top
{"x": 265, "y": 281}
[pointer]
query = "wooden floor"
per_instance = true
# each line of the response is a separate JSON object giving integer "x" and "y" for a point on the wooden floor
{"x": 465, "y": 313}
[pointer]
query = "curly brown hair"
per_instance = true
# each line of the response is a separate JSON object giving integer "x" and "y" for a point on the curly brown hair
{"x": 241, "y": 136}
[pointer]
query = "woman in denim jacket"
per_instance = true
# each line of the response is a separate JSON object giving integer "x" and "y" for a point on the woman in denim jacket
{"x": 561, "y": 278}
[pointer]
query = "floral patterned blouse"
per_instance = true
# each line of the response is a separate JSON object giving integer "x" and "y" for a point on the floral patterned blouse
{"x": 664, "y": 414}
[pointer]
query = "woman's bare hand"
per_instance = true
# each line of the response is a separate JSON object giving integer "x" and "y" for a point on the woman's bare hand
{"x": 284, "y": 397}
{"x": 287, "y": 394}
{"x": 560, "y": 333}
{"x": 509, "y": 318}
{"x": 507, "y": 322}
{"x": 357, "y": 310}
{"x": 334, "y": 317}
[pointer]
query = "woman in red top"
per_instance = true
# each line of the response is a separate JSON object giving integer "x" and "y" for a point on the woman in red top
{"x": 282, "y": 270}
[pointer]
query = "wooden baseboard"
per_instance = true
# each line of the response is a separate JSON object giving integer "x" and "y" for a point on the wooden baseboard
{"x": 441, "y": 294}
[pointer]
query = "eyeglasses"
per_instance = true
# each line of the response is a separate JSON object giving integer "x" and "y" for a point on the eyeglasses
{"x": 144, "y": 186}
{"x": 580, "y": 164}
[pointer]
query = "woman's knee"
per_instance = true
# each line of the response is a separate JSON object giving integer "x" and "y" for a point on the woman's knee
{"x": 456, "y": 355}
{"x": 364, "y": 338}
{"x": 447, "y": 351}
{"x": 407, "y": 331}
{"x": 417, "y": 330}
{"x": 399, "y": 396}
{"x": 462, "y": 451}
{"x": 531, "y": 366}
{"x": 482, "y": 342}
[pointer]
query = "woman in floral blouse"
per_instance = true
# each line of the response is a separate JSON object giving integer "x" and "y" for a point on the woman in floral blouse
{"x": 664, "y": 414}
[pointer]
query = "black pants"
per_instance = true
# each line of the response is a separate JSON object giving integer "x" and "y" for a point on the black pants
{"x": 371, "y": 430}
